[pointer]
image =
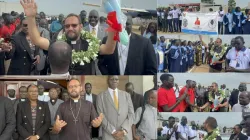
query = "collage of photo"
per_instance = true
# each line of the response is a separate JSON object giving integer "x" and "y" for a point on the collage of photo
{"x": 125, "y": 70}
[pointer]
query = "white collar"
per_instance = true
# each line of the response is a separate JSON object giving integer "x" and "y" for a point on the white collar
{"x": 88, "y": 94}
{"x": 12, "y": 98}
{"x": 91, "y": 27}
{"x": 111, "y": 90}
{"x": 66, "y": 74}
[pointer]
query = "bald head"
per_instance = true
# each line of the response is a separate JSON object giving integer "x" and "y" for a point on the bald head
{"x": 93, "y": 18}
{"x": 60, "y": 54}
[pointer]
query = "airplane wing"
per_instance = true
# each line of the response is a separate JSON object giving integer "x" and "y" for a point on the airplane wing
{"x": 123, "y": 8}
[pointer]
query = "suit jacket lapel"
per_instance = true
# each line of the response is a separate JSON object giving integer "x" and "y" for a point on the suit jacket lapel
{"x": 25, "y": 44}
{"x": 120, "y": 97}
{"x": 27, "y": 111}
{"x": 39, "y": 109}
{"x": 108, "y": 96}
{"x": 132, "y": 49}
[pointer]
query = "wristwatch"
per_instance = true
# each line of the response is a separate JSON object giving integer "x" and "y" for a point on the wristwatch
{"x": 37, "y": 137}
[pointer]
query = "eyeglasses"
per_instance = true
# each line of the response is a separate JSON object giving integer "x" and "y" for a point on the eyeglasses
{"x": 25, "y": 25}
{"x": 70, "y": 25}
{"x": 74, "y": 86}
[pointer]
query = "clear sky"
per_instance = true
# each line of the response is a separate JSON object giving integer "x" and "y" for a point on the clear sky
{"x": 55, "y": 7}
{"x": 235, "y": 118}
{"x": 232, "y": 80}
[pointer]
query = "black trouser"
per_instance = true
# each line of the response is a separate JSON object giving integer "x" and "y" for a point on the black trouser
{"x": 180, "y": 24}
{"x": 176, "y": 24}
{"x": 170, "y": 25}
{"x": 220, "y": 27}
{"x": 165, "y": 25}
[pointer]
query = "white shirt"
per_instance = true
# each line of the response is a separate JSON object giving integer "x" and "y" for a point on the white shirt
{"x": 91, "y": 29}
{"x": 220, "y": 19}
{"x": 176, "y": 13}
{"x": 170, "y": 12}
{"x": 193, "y": 133}
{"x": 44, "y": 98}
{"x": 181, "y": 17}
{"x": 176, "y": 92}
{"x": 166, "y": 131}
{"x": 123, "y": 56}
{"x": 89, "y": 97}
{"x": 184, "y": 130}
{"x": 203, "y": 49}
{"x": 111, "y": 92}
{"x": 162, "y": 15}
{"x": 240, "y": 57}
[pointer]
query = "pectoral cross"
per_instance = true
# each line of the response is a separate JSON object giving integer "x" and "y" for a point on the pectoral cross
{"x": 75, "y": 120}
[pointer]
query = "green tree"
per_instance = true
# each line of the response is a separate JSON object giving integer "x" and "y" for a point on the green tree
{"x": 231, "y": 4}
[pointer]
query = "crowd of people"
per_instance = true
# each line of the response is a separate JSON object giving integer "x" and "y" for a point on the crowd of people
{"x": 181, "y": 55}
{"x": 78, "y": 113}
{"x": 234, "y": 21}
{"x": 172, "y": 129}
{"x": 192, "y": 98}
{"x": 28, "y": 41}
{"x": 170, "y": 19}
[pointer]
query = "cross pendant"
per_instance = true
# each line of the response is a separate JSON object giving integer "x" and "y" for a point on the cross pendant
{"x": 75, "y": 120}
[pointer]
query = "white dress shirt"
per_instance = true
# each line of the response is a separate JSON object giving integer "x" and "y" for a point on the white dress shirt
{"x": 111, "y": 92}
{"x": 44, "y": 98}
{"x": 169, "y": 13}
{"x": 220, "y": 19}
{"x": 240, "y": 57}
{"x": 176, "y": 13}
{"x": 123, "y": 56}
{"x": 91, "y": 29}
{"x": 89, "y": 97}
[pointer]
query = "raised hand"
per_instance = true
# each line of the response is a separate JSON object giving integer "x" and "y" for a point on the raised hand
{"x": 59, "y": 124}
{"x": 97, "y": 121}
{"x": 30, "y": 7}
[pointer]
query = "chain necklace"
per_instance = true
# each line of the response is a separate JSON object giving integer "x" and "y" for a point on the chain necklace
{"x": 75, "y": 117}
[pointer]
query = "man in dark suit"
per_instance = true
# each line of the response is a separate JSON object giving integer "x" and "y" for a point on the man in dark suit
{"x": 234, "y": 98}
{"x": 137, "y": 99}
{"x": 92, "y": 98}
{"x": 138, "y": 58}
{"x": 23, "y": 54}
{"x": 33, "y": 117}
{"x": 7, "y": 117}
{"x": 237, "y": 135}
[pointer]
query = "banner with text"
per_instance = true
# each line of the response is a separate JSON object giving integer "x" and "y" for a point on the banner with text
{"x": 200, "y": 23}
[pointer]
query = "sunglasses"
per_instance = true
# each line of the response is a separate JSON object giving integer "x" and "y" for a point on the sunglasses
{"x": 70, "y": 25}
{"x": 25, "y": 25}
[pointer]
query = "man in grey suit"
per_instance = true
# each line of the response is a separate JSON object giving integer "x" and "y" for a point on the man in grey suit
{"x": 117, "y": 107}
{"x": 97, "y": 30}
{"x": 93, "y": 26}
{"x": 7, "y": 117}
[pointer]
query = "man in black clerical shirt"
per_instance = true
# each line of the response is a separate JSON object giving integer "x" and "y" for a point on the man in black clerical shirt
{"x": 72, "y": 28}
{"x": 76, "y": 115}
